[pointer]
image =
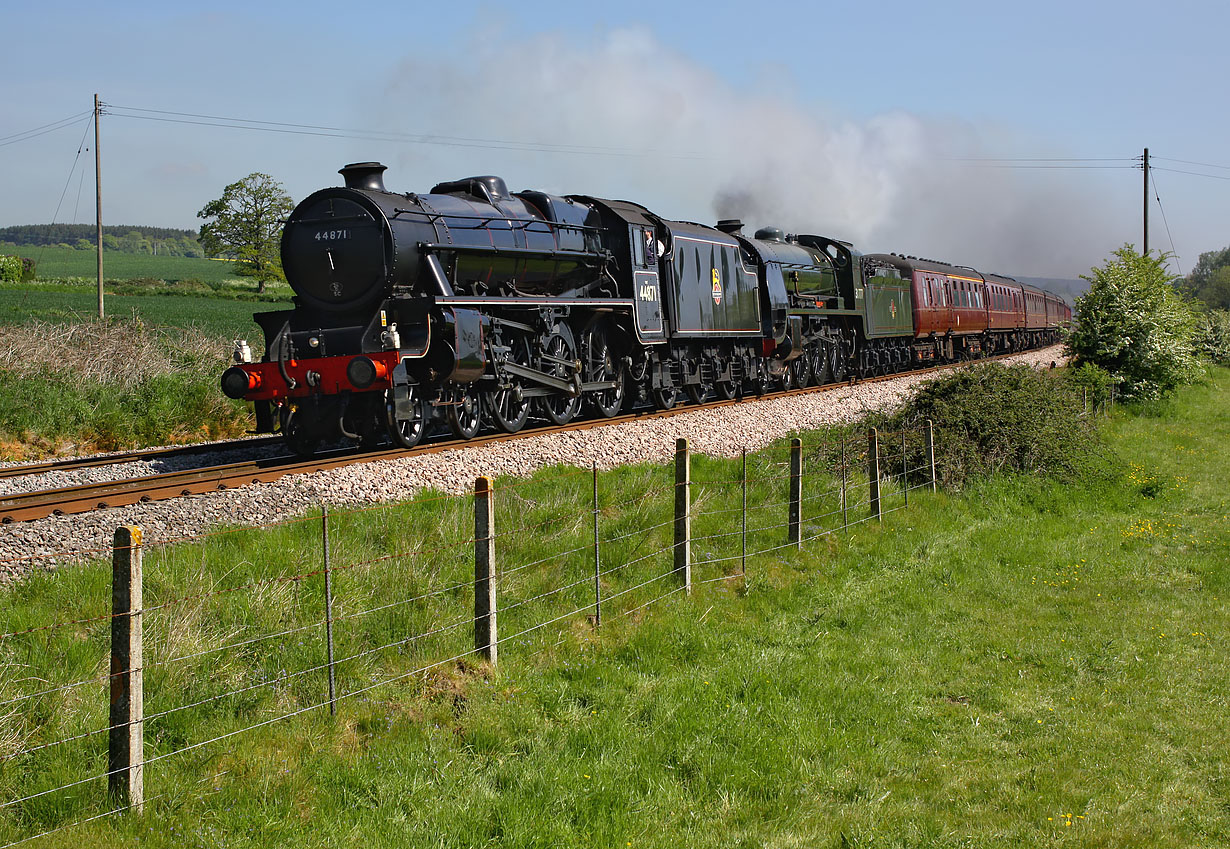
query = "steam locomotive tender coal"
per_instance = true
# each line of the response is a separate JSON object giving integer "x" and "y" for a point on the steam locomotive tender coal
{"x": 479, "y": 308}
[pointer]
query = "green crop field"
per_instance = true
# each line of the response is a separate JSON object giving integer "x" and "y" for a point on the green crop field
{"x": 228, "y": 319}
{"x": 56, "y": 262}
{"x": 1026, "y": 664}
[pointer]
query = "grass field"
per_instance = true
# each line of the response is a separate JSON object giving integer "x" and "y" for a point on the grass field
{"x": 222, "y": 317}
{"x": 1028, "y": 664}
{"x": 56, "y": 262}
{"x": 50, "y": 402}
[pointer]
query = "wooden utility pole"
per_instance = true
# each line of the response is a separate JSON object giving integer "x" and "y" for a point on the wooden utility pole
{"x": 98, "y": 195}
{"x": 1146, "y": 170}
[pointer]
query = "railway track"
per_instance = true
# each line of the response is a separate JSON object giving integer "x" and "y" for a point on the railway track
{"x": 83, "y": 498}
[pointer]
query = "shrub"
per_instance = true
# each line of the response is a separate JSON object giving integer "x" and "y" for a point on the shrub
{"x": 1212, "y": 338}
{"x": 11, "y": 268}
{"x": 992, "y": 418}
{"x": 1132, "y": 324}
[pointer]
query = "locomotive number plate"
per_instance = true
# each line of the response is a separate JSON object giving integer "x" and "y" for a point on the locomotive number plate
{"x": 331, "y": 235}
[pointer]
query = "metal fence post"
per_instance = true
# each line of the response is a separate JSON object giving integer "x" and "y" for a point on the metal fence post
{"x": 929, "y": 431}
{"x": 873, "y": 471}
{"x": 324, "y": 544}
{"x": 743, "y": 552}
{"x": 597, "y": 557}
{"x": 905, "y": 470}
{"x": 126, "y": 742}
{"x": 795, "y": 530}
{"x": 845, "y": 517}
{"x": 683, "y": 514}
{"x": 486, "y": 642}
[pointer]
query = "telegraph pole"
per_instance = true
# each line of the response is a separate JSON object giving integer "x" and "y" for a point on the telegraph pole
{"x": 1146, "y": 169}
{"x": 98, "y": 195}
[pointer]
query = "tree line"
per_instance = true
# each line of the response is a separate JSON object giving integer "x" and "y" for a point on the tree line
{"x": 121, "y": 238}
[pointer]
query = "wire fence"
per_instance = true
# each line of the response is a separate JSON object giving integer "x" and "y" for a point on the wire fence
{"x": 204, "y": 640}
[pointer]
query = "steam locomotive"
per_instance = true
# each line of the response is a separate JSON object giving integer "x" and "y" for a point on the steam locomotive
{"x": 474, "y": 307}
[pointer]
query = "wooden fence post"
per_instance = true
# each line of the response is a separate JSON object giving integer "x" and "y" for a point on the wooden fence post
{"x": 873, "y": 471}
{"x": 486, "y": 641}
{"x": 683, "y": 514}
{"x": 126, "y": 742}
{"x": 795, "y": 524}
{"x": 930, "y": 435}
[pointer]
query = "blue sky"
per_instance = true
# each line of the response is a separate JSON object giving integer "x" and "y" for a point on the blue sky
{"x": 875, "y": 122}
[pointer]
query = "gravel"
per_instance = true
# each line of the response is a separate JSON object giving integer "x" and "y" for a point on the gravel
{"x": 58, "y": 540}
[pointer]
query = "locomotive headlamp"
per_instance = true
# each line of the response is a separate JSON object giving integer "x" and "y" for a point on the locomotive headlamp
{"x": 362, "y": 372}
{"x": 314, "y": 342}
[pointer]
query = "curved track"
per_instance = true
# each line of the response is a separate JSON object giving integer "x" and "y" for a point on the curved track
{"x": 92, "y": 496}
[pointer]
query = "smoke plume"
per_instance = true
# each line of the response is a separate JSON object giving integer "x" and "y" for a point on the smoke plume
{"x": 624, "y": 116}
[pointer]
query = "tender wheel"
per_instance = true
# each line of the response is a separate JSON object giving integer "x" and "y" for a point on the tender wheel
{"x": 601, "y": 365}
{"x": 560, "y": 407}
{"x": 727, "y": 390}
{"x": 407, "y": 432}
{"x": 665, "y": 399}
{"x": 465, "y": 411}
{"x": 696, "y": 393}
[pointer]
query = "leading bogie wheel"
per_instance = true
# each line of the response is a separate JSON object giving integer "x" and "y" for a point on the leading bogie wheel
{"x": 407, "y": 432}
{"x": 465, "y": 411}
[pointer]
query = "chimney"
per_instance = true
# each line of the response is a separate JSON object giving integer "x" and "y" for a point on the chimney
{"x": 364, "y": 175}
{"x": 730, "y": 226}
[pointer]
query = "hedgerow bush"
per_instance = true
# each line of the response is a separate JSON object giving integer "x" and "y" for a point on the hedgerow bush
{"x": 1134, "y": 325}
{"x": 991, "y": 418}
{"x": 11, "y": 268}
{"x": 1212, "y": 339}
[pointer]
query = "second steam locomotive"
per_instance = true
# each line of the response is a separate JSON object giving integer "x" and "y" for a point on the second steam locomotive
{"x": 475, "y": 307}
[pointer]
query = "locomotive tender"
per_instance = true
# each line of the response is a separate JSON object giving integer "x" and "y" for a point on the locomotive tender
{"x": 479, "y": 307}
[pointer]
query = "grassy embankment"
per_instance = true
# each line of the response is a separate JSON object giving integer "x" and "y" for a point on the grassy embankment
{"x": 1029, "y": 663}
{"x": 148, "y": 376}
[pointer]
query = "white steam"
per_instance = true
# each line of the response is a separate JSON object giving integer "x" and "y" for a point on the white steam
{"x": 655, "y": 128}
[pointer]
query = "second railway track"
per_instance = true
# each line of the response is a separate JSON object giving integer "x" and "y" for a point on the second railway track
{"x": 86, "y": 497}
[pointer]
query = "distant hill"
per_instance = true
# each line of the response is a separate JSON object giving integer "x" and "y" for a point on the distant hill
{"x": 121, "y": 238}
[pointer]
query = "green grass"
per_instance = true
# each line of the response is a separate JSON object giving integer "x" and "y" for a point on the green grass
{"x": 1025, "y": 664}
{"x": 225, "y": 318}
{"x": 69, "y": 262}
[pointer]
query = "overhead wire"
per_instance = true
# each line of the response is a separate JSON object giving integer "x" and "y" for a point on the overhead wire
{"x": 1174, "y": 252}
{"x": 26, "y": 135}
{"x": 1192, "y": 173}
{"x": 289, "y": 128}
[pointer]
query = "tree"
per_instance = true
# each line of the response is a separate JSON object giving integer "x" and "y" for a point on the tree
{"x": 247, "y": 222}
{"x": 1134, "y": 325}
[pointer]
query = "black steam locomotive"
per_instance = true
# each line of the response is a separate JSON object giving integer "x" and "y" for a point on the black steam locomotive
{"x": 476, "y": 307}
